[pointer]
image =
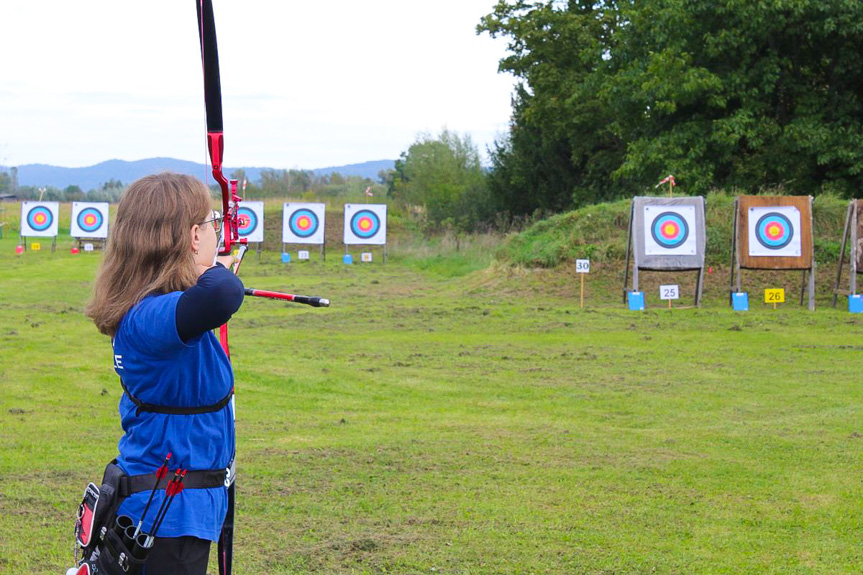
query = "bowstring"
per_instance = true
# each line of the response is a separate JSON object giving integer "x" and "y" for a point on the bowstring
{"x": 207, "y": 165}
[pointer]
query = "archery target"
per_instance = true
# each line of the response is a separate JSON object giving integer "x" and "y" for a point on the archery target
{"x": 365, "y": 224}
{"x": 39, "y": 219}
{"x": 250, "y": 221}
{"x": 89, "y": 220}
{"x": 303, "y": 223}
{"x": 670, "y": 230}
{"x": 774, "y": 231}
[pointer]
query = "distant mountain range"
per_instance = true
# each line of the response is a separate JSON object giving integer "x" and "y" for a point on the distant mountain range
{"x": 93, "y": 177}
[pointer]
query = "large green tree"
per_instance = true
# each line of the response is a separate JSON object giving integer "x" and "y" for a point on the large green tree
{"x": 443, "y": 175}
{"x": 614, "y": 95}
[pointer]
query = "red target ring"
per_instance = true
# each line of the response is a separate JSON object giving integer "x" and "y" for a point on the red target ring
{"x": 303, "y": 223}
{"x": 40, "y": 218}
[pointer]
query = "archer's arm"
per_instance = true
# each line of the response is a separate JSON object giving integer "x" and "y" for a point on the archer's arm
{"x": 209, "y": 303}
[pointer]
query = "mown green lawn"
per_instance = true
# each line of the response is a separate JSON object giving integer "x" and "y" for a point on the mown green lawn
{"x": 439, "y": 419}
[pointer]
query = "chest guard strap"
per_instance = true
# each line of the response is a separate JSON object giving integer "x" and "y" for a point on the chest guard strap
{"x": 171, "y": 410}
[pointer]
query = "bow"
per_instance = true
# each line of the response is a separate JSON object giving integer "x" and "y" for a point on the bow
{"x": 230, "y": 232}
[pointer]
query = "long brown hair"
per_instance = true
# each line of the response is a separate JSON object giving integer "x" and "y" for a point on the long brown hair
{"x": 149, "y": 248}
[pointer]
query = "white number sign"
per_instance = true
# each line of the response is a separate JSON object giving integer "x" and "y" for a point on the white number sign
{"x": 669, "y": 292}
{"x": 303, "y": 254}
{"x": 582, "y": 266}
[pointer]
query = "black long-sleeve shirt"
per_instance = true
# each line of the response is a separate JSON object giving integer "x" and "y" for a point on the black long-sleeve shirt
{"x": 209, "y": 303}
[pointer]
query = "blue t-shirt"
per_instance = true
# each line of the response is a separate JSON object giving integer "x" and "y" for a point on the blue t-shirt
{"x": 158, "y": 368}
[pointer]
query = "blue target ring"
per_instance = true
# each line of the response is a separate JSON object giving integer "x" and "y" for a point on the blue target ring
{"x": 774, "y": 231}
{"x": 669, "y": 230}
{"x": 40, "y": 218}
{"x": 248, "y": 222}
{"x": 365, "y": 224}
{"x": 303, "y": 223}
{"x": 90, "y": 220}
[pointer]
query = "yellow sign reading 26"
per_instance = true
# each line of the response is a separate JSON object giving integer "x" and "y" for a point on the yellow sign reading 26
{"x": 774, "y": 296}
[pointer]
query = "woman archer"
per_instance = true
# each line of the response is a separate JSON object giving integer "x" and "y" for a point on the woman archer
{"x": 160, "y": 292}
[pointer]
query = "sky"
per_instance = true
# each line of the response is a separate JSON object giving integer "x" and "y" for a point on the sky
{"x": 304, "y": 84}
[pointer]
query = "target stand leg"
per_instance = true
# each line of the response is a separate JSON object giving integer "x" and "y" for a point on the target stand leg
{"x": 812, "y": 286}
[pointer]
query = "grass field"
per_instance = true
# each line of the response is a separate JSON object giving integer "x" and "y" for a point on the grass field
{"x": 445, "y": 416}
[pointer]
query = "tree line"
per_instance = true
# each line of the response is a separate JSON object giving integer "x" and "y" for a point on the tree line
{"x": 613, "y": 95}
{"x": 299, "y": 184}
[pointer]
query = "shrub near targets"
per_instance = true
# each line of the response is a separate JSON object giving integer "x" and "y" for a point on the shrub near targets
{"x": 89, "y": 220}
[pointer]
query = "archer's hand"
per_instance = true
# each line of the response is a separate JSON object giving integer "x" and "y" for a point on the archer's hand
{"x": 226, "y": 261}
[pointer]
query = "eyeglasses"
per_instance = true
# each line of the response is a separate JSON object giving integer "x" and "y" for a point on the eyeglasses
{"x": 217, "y": 221}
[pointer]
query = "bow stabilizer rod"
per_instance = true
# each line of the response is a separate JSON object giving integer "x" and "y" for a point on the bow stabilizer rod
{"x": 304, "y": 299}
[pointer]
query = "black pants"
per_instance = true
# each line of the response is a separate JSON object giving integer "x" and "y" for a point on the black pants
{"x": 178, "y": 556}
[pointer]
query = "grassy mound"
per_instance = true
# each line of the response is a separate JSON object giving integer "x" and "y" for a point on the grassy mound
{"x": 599, "y": 232}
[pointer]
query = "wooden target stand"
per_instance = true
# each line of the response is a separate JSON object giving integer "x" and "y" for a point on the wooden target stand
{"x": 23, "y": 241}
{"x": 642, "y": 261}
{"x": 368, "y": 248}
{"x": 853, "y": 235}
{"x": 97, "y": 243}
{"x": 323, "y": 250}
{"x": 740, "y": 248}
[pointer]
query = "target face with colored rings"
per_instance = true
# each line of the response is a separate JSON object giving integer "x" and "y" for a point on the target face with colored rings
{"x": 774, "y": 231}
{"x": 40, "y": 218}
{"x": 90, "y": 220}
{"x": 303, "y": 223}
{"x": 669, "y": 230}
{"x": 365, "y": 224}
{"x": 247, "y": 222}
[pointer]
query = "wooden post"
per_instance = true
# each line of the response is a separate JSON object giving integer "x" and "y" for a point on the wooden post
{"x": 734, "y": 260}
{"x": 854, "y": 240}
{"x": 628, "y": 251}
{"x": 851, "y": 207}
{"x": 814, "y": 264}
{"x": 582, "y": 291}
{"x": 699, "y": 287}
{"x": 803, "y": 287}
